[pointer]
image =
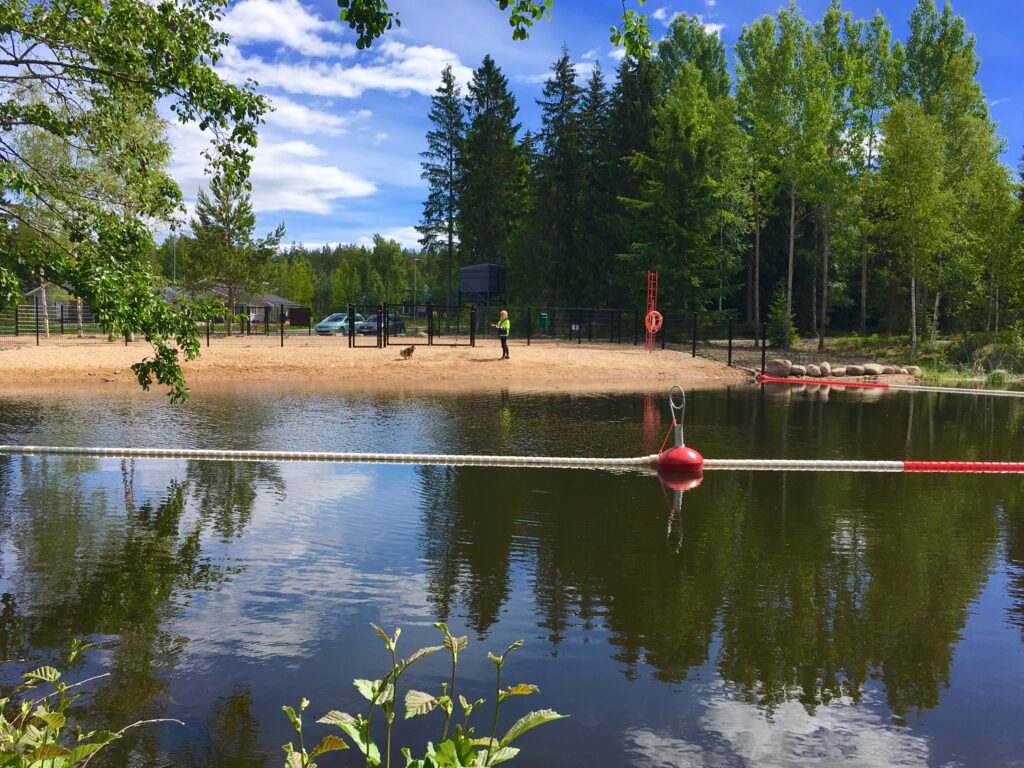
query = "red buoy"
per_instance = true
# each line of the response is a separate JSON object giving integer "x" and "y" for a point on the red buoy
{"x": 680, "y": 460}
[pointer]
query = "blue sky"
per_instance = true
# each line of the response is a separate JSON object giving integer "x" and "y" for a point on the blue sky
{"x": 339, "y": 158}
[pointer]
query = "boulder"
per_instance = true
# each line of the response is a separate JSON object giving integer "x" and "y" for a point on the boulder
{"x": 798, "y": 371}
{"x": 814, "y": 371}
{"x": 902, "y": 371}
{"x": 839, "y": 372}
{"x": 889, "y": 370}
{"x": 826, "y": 369}
{"x": 855, "y": 370}
{"x": 778, "y": 367}
{"x": 913, "y": 370}
{"x": 873, "y": 369}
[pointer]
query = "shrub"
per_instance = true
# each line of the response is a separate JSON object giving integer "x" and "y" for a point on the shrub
{"x": 34, "y": 729}
{"x": 458, "y": 746}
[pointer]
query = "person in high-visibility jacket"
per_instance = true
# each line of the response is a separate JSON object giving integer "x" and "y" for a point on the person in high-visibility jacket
{"x": 503, "y": 325}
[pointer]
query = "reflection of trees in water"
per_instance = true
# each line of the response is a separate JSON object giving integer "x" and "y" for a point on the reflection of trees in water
{"x": 1013, "y": 532}
{"x": 816, "y": 583}
{"x": 92, "y": 562}
{"x": 226, "y": 491}
{"x": 234, "y": 737}
{"x": 467, "y": 553}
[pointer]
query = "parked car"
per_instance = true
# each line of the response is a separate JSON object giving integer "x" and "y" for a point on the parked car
{"x": 395, "y": 325}
{"x": 335, "y": 324}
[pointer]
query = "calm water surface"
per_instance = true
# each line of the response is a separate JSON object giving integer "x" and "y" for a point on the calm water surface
{"x": 761, "y": 619}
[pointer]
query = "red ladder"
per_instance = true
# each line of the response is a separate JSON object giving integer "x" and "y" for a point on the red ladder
{"x": 652, "y": 306}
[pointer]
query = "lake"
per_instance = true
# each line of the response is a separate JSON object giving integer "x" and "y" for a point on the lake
{"x": 761, "y": 619}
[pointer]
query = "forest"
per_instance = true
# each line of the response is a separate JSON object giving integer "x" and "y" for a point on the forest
{"x": 833, "y": 174}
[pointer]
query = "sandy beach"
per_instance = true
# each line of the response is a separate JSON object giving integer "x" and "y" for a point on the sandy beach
{"x": 329, "y": 363}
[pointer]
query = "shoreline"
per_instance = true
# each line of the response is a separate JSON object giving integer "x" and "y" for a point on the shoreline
{"x": 327, "y": 364}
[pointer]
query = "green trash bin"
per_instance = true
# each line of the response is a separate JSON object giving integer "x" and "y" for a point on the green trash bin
{"x": 543, "y": 321}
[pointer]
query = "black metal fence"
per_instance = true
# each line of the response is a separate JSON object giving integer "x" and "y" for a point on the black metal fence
{"x": 711, "y": 335}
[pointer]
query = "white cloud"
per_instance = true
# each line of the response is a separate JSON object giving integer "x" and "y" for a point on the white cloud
{"x": 398, "y": 68}
{"x": 660, "y": 14}
{"x": 713, "y": 29}
{"x": 407, "y": 237}
{"x": 618, "y": 54}
{"x": 710, "y": 3}
{"x": 283, "y": 21}
{"x": 379, "y": 138}
{"x": 591, "y": 54}
{"x": 997, "y": 102}
{"x": 291, "y": 115}
{"x": 285, "y": 174}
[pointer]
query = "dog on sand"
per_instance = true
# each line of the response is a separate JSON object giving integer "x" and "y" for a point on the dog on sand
{"x": 407, "y": 352}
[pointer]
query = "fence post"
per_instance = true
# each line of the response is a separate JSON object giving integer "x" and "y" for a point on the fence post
{"x": 472, "y": 325}
{"x": 380, "y": 331}
{"x": 281, "y": 310}
{"x": 664, "y": 333}
{"x": 17, "y": 318}
{"x": 207, "y": 333}
{"x": 350, "y": 332}
{"x": 430, "y": 325}
{"x": 730, "y": 342}
{"x": 764, "y": 345}
{"x": 636, "y": 326}
{"x": 309, "y": 322}
{"x": 694, "y": 335}
{"x": 37, "y": 319}
{"x": 529, "y": 325}
{"x": 61, "y": 305}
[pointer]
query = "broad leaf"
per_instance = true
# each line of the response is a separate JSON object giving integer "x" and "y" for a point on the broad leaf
{"x": 418, "y": 703}
{"x": 52, "y": 719}
{"x": 368, "y": 688}
{"x": 503, "y": 754}
{"x": 334, "y": 717}
{"x": 47, "y": 752}
{"x": 293, "y": 760}
{"x": 368, "y": 748}
{"x": 422, "y": 653}
{"x": 291, "y": 716}
{"x": 523, "y": 689}
{"x": 329, "y": 743}
{"x": 44, "y": 674}
{"x": 459, "y": 643}
{"x": 526, "y": 722}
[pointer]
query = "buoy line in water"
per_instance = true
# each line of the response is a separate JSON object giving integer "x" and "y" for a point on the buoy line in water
{"x": 454, "y": 460}
{"x": 562, "y": 462}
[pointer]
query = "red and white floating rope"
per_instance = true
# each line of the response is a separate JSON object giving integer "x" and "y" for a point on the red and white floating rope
{"x": 570, "y": 462}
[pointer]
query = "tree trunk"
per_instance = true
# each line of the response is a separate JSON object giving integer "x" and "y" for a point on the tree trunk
{"x": 42, "y": 299}
{"x": 935, "y": 321}
{"x": 997, "y": 307}
{"x": 792, "y": 250}
{"x": 913, "y": 318}
{"x": 757, "y": 278}
{"x": 824, "y": 280}
{"x": 78, "y": 317}
{"x": 231, "y": 308}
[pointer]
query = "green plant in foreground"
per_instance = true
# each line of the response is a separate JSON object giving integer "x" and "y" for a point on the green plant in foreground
{"x": 33, "y": 734}
{"x": 458, "y": 747}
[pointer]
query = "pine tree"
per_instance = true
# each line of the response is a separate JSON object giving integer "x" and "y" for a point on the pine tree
{"x": 442, "y": 170}
{"x": 227, "y": 253}
{"x": 493, "y": 174}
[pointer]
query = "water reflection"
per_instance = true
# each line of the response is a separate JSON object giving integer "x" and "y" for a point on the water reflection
{"x": 765, "y": 618}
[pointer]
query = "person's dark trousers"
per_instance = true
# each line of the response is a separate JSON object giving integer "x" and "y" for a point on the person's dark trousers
{"x": 504, "y": 347}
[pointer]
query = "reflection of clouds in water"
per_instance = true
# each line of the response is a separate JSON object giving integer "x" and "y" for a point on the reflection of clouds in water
{"x": 306, "y": 568}
{"x": 841, "y": 733}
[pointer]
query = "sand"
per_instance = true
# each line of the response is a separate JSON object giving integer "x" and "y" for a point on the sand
{"x": 328, "y": 363}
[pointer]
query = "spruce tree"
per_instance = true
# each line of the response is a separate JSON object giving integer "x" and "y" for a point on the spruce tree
{"x": 442, "y": 170}
{"x": 493, "y": 168}
{"x": 559, "y": 182}
{"x": 598, "y": 201}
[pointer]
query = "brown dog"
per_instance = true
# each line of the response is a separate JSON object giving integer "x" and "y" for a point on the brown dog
{"x": 407, "y": 352}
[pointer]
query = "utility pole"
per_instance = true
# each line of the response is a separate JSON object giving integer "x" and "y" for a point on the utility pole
{"x": 414, "y": 311}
